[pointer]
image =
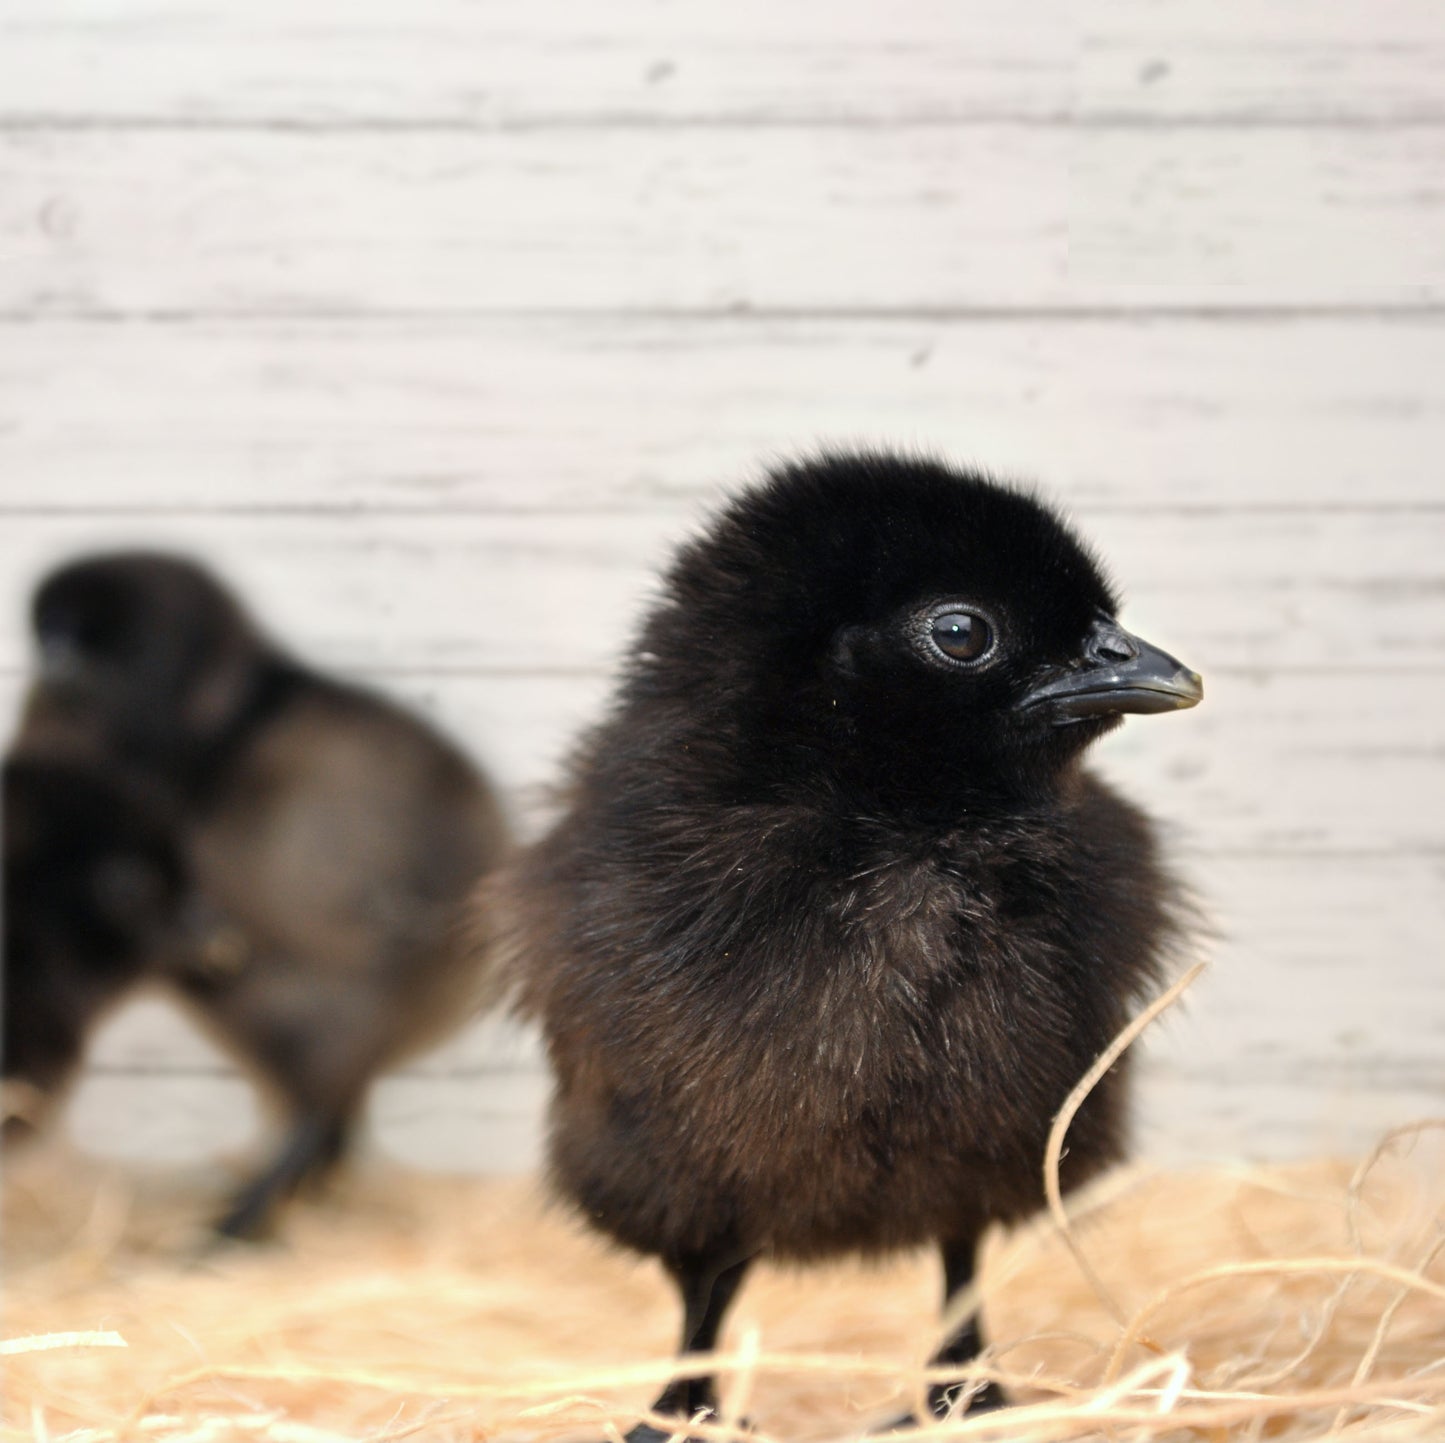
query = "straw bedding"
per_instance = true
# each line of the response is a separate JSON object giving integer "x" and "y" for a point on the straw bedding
{"x": 1256, "y": 1303}
{"x": 1295, "y": 1303}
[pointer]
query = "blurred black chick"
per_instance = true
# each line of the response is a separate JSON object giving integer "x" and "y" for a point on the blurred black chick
{"x": 834, "y": 918}
{"x": 93, "y": 890}
{"x": 332, "y": 837}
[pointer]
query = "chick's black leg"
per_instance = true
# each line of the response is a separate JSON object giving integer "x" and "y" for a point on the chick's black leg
{"x": 964, "y": 1345}
{"x": 315, "y": 1142}
{"x": 707, "y": 1284}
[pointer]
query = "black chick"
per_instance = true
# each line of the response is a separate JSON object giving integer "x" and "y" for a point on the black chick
{"x": 332, "y": 837}
{"x": 94, "y": 888}
{"x": 834, "y": 918}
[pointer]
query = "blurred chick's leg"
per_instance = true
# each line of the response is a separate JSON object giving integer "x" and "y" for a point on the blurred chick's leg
{"x": 316, "y": 1141}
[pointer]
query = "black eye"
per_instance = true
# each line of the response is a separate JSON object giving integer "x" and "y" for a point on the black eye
{"x": 961, "y": 635}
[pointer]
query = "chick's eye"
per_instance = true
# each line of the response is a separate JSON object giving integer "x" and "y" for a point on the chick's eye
{"x": 961, "y": 635}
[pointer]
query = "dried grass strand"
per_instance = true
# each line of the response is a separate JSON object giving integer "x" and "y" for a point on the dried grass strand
{"x": 1387, "y": 1319}
{"x": 1349, "y": 1267}
{"x": 44, "y": 1342}
{"x": 1054, "y": 1150}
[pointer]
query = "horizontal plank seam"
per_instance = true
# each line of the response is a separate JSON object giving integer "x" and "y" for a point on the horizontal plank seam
{"x": 1310, "y": 1072}
{"x": 1221, "y": 312}
{"x": 663, "y": 506}
{"x": 1423, "y": 852}
{"x": 63, "y": 122}
{"x": 603, "y": 672}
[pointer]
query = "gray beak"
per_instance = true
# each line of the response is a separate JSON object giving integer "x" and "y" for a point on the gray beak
{"x": 1116, "y": 673}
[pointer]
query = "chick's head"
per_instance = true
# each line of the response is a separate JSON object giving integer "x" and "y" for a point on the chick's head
{"x": 149, "y": 647}
{"x": 917, "y": 634}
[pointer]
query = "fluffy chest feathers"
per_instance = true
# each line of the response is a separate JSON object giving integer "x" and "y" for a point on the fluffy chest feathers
{"x": 787, "y": 974}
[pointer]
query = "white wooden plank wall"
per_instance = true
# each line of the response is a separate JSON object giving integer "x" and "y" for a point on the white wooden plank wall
{"x": 436, "y": 322}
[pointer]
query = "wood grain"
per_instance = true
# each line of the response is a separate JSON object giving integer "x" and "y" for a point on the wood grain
{"x": 1261, "y": 593}
{"x": 447, "y": 62}
{"x": 889, "y": 220}
{"x": 1302, "y": 62}
{"x": 450, "y": 63}
{"x": 457, "y": 1123}
{"x": 604, "y": 414}
{"x": 1238, "y": 215}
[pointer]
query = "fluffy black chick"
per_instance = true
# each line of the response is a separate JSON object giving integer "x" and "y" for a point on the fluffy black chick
{"x": 94, "y": 888}
{"x": 333, "y": 838}
{"x": 834, "y": 918}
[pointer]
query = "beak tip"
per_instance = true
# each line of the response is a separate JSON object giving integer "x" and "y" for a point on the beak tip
{"x": 1105, "y": 684}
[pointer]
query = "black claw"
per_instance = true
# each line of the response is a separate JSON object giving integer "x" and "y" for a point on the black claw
{"x": 941, "y": 1397}
{"x": 647, "y": 1433}
{"x": 249, "y": 1219}
{"x": 987, "y": 1399}
{"x": 313, "y": 1145}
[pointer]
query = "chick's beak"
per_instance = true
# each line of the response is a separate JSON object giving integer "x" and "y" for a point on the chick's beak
{"x": 1115, "y": 673}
